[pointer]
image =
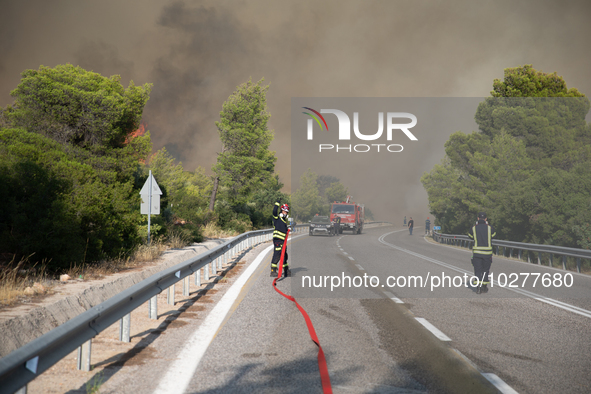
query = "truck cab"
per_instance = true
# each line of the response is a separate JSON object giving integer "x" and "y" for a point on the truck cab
{"x": 352, "y": 215}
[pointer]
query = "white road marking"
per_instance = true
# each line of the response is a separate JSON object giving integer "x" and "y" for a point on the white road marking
{"x": 351, "y": 258}
{"x": 433, "y": 329}
{"x": 359, "y": 266}
{"x": 181, "y": 370}
{"x": 393, "y": 297}
{"x": 550, "y": 301}
{"x": 499, "y": 383}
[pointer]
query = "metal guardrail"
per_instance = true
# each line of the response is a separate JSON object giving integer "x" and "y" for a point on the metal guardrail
{"x": 519, "y": 247}
{"x": 29, "y": 361}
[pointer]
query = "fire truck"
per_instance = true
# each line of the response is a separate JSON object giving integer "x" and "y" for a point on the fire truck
{"x": 352, "y": 215}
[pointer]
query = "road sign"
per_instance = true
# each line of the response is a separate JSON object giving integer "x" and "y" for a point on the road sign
{"x": 150, "y": 199}
{"x": 436, "y": 227}
{"x": 150, "y": 187}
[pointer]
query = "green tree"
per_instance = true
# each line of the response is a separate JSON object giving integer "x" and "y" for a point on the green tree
{"x": 78, "y": 107}
{"x": 245, "y": 163}
{"x": 533, "y": 146}
{"x": 336, "y": 192}
{"x": 525, "y": 81}
{"x": 324, "y": 182}
{"x": 60, "y": 208}
{"x": 306, "y": 200}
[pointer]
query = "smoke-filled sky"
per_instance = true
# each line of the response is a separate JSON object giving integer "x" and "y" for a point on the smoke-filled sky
{"x": 195, "y": 53}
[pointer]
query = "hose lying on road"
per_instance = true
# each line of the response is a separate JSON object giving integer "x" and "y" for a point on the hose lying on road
{"x": 324, "y": 377}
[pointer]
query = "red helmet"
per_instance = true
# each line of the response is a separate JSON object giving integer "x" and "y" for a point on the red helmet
{"x": 285, "y": 207}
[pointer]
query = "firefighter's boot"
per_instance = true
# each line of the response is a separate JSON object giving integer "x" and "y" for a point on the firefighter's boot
{"x": 484, "y": 289}
{"x": 273, "y": 272}
{"x": 286, "y": 272}
{"x": 479, "y": 289}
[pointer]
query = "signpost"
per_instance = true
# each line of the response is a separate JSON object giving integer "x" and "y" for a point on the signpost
{"x": 150, "y": 199}
{"x": 436, "y": 228}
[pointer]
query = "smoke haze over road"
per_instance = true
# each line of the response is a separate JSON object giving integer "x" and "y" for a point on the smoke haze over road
{"x": 196, "y": 53}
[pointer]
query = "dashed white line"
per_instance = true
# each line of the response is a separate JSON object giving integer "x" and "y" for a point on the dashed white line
{"x": 499, "y": 383}
{"x": 393, "y": 297}
{"x": 360, "y": 267}
{"x": 351, "y": 258}
{"x": 550, "y": 301}
{"x": 433, "y": 329}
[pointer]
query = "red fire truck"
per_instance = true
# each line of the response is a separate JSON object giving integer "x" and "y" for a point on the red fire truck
{"x": 352, "y": 215}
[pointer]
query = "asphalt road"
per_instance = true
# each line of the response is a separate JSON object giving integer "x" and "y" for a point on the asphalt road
{"x": 371, "y": 333}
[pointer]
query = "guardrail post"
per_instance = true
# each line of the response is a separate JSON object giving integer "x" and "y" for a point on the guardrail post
{"x": 125, "y": 328}
{"x": 539, "y": 258}
{"x": 213, "y": 268}
{"x": 153, "y": 308}
{"x": 170, "y": 295}
{"x": 563, "y": 262}
{"x": 186, "y": 289}
{"x": 220, "y": 261}
{"x": 551, "y": 260}
{"x": 206, "y": 272}
{"x": 84, "y": 356}
{"x": 22, "y": 390}
{"x": 579, "y": 265}
{"x": 198, "y": 278}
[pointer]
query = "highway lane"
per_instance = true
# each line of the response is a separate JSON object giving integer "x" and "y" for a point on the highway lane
{"x": 264, "y": 345}
{"x": 373, "y": 344}
{"x": 533, "y": 346}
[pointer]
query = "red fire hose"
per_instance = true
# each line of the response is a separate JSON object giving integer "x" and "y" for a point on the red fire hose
{"x": 324, "y": 377}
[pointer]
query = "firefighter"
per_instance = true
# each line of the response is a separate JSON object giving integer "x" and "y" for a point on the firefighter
{"x": 280, "y": 225}
{"x": 337, "y": 225}
{"x": 482, "y": 234}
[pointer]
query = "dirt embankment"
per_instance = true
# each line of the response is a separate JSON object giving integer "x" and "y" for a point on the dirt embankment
{"x": 23, "y": 323}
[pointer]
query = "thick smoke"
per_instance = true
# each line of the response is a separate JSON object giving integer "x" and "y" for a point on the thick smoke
{"x": 196, "y": 53}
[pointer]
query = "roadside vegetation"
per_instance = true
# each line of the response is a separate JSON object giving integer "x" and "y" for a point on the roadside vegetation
{"x": 528, "y": 166}
{"x": 74, "y": 155}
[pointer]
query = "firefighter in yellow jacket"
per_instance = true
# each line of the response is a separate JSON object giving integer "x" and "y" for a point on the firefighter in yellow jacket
{"x": 482, "y": 234}
{"x": 280, "y": 224}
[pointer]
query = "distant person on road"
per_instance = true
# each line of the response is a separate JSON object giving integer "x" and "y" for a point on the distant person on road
{"x": 411, "y": 224}
{"x": 427, "y": 226}
{"x": 280, "y": 225}
{"x": 405, "y": 220}
{"x": 482, "y": 234}
{"x": 337, "y": 225}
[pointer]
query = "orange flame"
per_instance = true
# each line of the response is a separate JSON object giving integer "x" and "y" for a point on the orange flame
{"x": 138, "y": 133}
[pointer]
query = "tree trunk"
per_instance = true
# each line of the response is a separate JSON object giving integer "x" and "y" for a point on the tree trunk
{"x": 216, "y": 181}
{"x": 213, "y": 193}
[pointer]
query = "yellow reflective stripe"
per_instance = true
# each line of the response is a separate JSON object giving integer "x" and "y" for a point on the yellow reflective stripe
{"x": 482, "y": 249}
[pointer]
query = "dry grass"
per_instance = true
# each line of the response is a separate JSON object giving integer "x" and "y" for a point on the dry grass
{"x": 178, "y": 240}
{"x": 15, "y": 281}
{"x": 211, "y": 230}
